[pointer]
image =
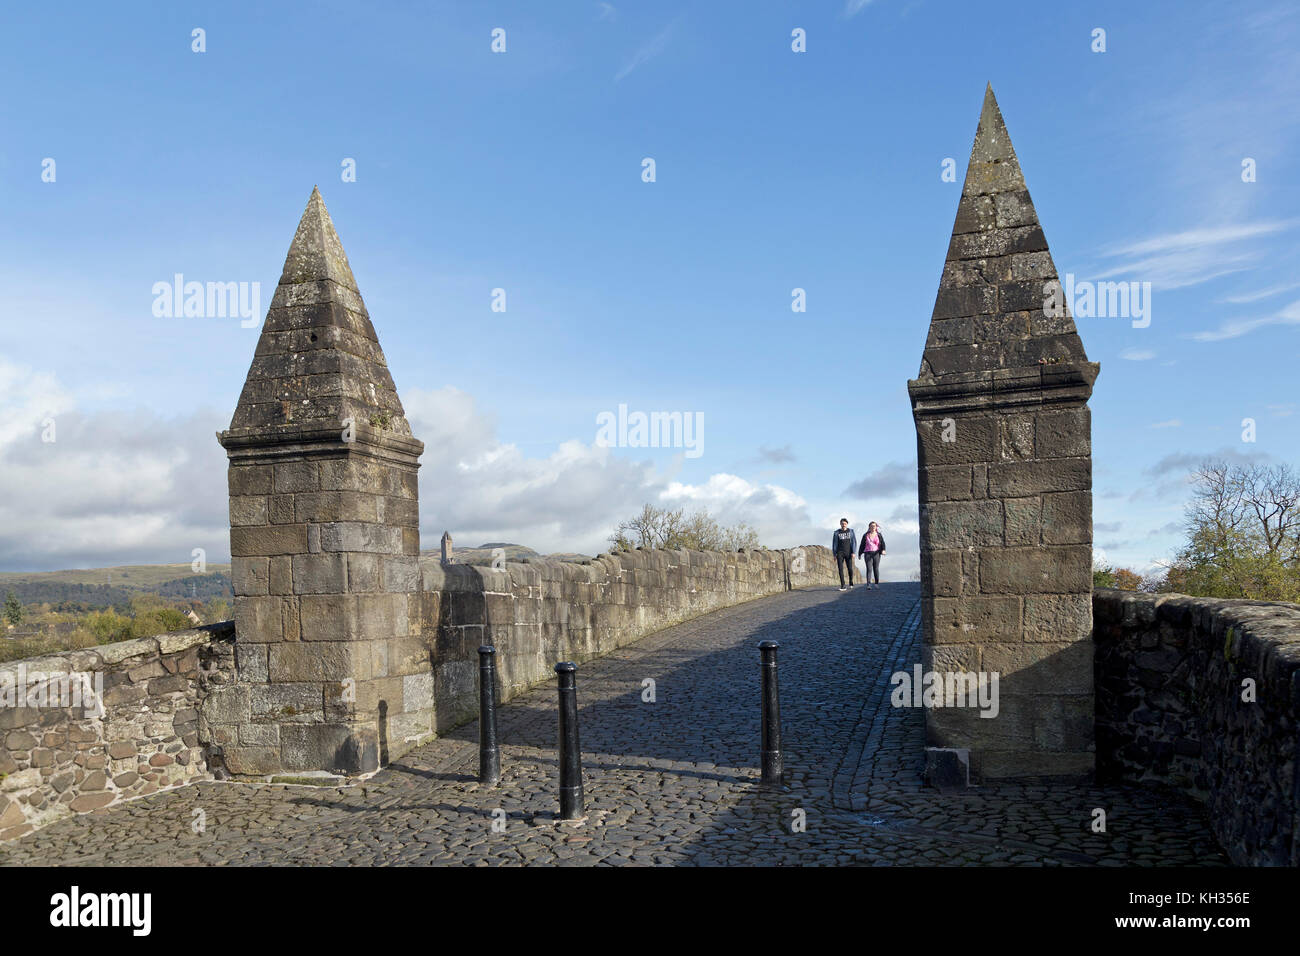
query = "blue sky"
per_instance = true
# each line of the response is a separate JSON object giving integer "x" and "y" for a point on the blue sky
{"x": 522, "y": 170}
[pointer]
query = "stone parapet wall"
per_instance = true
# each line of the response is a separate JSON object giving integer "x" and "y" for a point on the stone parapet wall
{"x": 178, "y": 707}
{"x": 1170, "y": 679}
{"x": 543, "y": 612}
{"x": 85, "y": 729}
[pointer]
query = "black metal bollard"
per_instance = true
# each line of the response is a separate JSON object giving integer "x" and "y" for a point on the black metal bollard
{"x": 571, "y": 802}
{"x": 773, "y": 767}
{"x": 489, "y": 757}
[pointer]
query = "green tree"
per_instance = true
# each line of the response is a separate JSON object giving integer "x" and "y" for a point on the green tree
{"x": 1243, "y": 534}
{"x": 13, "y": 610}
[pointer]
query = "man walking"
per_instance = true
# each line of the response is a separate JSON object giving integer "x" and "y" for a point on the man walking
{"x": 844, "y": 545}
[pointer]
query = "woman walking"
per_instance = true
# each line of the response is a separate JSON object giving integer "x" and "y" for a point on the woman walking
{"x": 871, "y": 550}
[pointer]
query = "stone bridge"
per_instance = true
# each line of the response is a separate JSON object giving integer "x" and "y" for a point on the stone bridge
{"x": 351, "y": 663}
{"x": 669, "y": 781}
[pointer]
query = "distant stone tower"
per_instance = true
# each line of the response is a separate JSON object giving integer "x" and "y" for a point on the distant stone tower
{"x": 324, "y": 536}
{"x": 1005, "y": 486}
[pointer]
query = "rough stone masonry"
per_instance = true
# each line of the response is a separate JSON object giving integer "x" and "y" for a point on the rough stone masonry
{"x": 1005, "y": 487}
{"x": 324, "y": 530}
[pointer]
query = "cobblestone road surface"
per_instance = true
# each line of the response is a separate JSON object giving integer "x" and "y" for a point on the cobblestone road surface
{"x": 669, "y": 782}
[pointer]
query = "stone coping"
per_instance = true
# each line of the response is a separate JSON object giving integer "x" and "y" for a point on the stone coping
{"x": 91, "y": 658}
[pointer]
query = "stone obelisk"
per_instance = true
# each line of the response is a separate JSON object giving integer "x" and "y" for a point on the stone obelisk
{"x": 1005, "y": 488}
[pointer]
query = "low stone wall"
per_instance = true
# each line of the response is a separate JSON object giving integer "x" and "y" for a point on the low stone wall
{"x": 543, "y": 612}
{"x": 1171, "y": 674}
{"x": 82, "y": 730}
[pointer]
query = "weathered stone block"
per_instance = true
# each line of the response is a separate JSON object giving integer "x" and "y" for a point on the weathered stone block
{"x": 250, "y": 576}
{"x": 957, "y": 441}
{"x": 249, "y": 480}
{"x": 945, "y": 483}
{"x": 1017, "y": 437}
{"x": 1061, "y": 569}
{"x": 1067, "y": 518}
{"x": 1066, "y": 433}
{"x": 295, "y": 476}
{"x": 945, "y": 333}
{"x": 268, "y": 540}
{"x": 1024, "y": 521}
{"x": 285, "y": 702}
{"x": 328, "y": 617}
{"x": 401, "y": 575}
{"x": 975, "y": 214}
{"x": 281, "y": 509}
{"x": 967, "y": 619}
{"x": 252, "y": 761}
{"x": 965, "y": 301}
{"x": 1057, "y": 617}
{"x": 941, "y": 573}
{"x": 325, "y": 573}
{"x": 260, "y": 620}
{"x": 1016, "y": 209}
{"x": 325, "y": 506}
{"x": 319, "y": 661}
{"x": 251, "y": 661}
{"x": 281, "y": 575}
{"x": 226, "y": 705}
{"x": 337, "y": 747}
{"x": 957, "y": 525}
{"x": 1042, "y": 668}
{"x": 1022, "y": 479}
{"x": 248, "y": 510}
{"x": 359, "y": 536}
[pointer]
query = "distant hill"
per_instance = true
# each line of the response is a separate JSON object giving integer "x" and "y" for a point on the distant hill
{"x": 94, "y": 588}
{"x": 483, "y": 554}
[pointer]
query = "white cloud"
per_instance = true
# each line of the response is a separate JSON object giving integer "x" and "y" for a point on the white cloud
{"x": 482, "y": 489}
{"x": 1137, "y": 355}
{"x": 1172, "y": 423}
{"x": 111, "y": 488}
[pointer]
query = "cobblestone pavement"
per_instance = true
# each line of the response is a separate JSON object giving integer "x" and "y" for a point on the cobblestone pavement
{"x": 669, "y": 782}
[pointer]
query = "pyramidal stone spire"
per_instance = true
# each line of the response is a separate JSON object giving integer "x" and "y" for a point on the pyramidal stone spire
{"x": 318, "y": 360}
{"x": 324, "y": 537}
{"x": 1004, "y": 461}
{"x": 996, "y": 308}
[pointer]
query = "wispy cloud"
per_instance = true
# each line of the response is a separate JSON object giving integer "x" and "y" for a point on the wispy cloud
{"x": 1137, "y": 355}
{"x": 1246, "y": 297}
{"x": 607, "y": 11}
{"x": 1199, "y": 238}
{"x": 1172, "y": 423}
{"x": 775, "y": 456}
{"x": 888, "y": 479}
{"x": 1235, "y": 328}
{"x": 1177, "y": 259}
{"x": 853, "y": 7}
{"x": 648, "y": 51}
{"x": 1189, "y": 461}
